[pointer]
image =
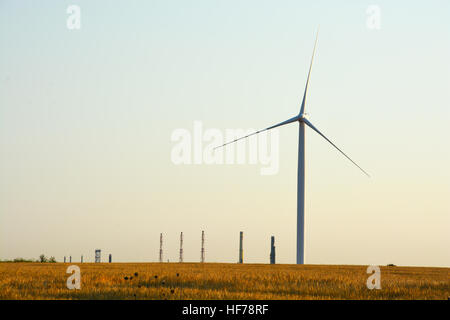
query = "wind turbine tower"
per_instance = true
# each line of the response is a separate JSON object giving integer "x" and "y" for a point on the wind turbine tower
{"x": 302, "y": 120}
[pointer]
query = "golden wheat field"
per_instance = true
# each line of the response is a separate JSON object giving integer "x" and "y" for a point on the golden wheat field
{"x": 218, "y": 281}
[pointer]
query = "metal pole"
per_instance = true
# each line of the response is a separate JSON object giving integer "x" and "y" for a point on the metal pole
{"x": 181, "y": 247}
{"x": 202, "y": 252}
{"x": 272, "y": 250}
{"x": 241, "y": 250}
{"x": 160, "y": 247}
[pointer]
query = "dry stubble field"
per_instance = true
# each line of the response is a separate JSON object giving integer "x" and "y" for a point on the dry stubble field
{"x": 219, "y": 281}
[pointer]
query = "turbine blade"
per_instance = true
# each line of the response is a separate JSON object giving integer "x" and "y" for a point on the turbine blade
{"x": 302, "y": 109}
{"x": 259, "y": 131}
{"x": 317, "y": 130}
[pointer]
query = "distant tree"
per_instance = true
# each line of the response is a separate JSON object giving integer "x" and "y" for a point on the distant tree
{"x": 43, "y": 258}
{"x": 52, "y": 259}
{"x": 19, "y": 260}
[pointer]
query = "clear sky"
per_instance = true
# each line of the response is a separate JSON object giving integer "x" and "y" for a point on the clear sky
{"x": 86, "y": 118}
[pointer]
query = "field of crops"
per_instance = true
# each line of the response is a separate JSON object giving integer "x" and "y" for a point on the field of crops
{"x": 218, "y": 281}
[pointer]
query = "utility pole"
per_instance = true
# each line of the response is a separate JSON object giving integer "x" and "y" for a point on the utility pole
{"x": 181, "y": 247}
{"x": 160, "y": 247}
{"x": 241, "y": 249}
{"x": 272, "y": 250}
{"x": 202, "y": 252}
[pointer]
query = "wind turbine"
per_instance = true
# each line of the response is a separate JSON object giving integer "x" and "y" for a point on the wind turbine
{"x": 302, "y": 120}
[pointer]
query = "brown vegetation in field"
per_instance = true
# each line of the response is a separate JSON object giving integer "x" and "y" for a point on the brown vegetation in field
{"x": 218, "y": 281}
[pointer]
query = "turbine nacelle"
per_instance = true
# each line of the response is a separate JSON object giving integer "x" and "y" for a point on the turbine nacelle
{"x": 303, "y": 116}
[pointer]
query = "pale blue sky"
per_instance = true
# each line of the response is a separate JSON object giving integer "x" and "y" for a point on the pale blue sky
{"x": 86, "y": 118}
